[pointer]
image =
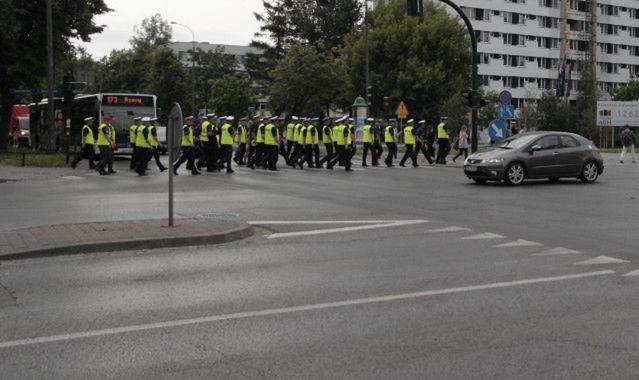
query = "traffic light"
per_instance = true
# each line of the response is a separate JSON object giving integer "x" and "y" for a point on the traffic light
{"x": 415, "y": 8}
{"x": 468, "y": 98}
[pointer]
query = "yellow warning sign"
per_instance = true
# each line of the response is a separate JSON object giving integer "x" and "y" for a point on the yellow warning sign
{"x": 402, "y": 111}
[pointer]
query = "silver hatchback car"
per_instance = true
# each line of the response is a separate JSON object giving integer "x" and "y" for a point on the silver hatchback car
{"x": 551, "y": 155}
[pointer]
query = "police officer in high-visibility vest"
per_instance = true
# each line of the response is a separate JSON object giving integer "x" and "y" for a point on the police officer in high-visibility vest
{"x": 132, "y": 138}
{"x": 367, "y": 139}
{"x": 106, "y": 145}
{"x": 209, "y": 145}
{"x": 187, "y": 145}
{"x": 155, "y": 144}
{"x": 327, "y": 140}
{"x": 290, "y": 135}
{"x": 227, "y": 135}
{"x": 391, "y": 142}
{"x": 260, "y": 152}
{"x": 299, "y": 154}
{"x": 351, "y": 128}
{"x": 311, "y": 144}
{"x": 344, "y": 139}
{"x": 143, "y": 145}
{"x": 272, "y": 139}
{"x": 409, "y": 144}
{"x": 88, "y": 142}
{"x": 377, "y": 142}
{"x": 443, "y": 140}
{"x": 241, "y": 138}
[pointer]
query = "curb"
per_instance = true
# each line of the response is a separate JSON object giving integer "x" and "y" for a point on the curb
{"x": 229, "y": 236}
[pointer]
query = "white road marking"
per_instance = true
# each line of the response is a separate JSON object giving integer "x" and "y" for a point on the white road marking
{"x": 557, "y": 251}
{"x": 72, "y": 177}
{"x": 447, "y": 229}
{"x": 484, "y": 236}
{"x": 258, "y": 222}
{"x": 518, "y": 243}
{"x": 294, "y": 309}
{"x": 344, "y": 229}
{"x": 602, "y": 260}
{"x": 633, "y": 273}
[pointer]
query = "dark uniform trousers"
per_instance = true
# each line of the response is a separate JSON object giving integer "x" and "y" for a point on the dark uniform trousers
{"x": 271, "y": 156}
{"x": 444, "y": 149}
{"x": 155, "y": 154}
{"x": 343, "y": 154}
{"x": 410, "y": 153}
{"x": 260, "y": 154}
{"x": 290, "y": 144}
{"x": 209, "y": 154}
{"x": 369, "y": 147}
{"x": 134, "y": 156}
{"x": 239, "y": 153}
{"x": 188, "y": 156}
{"x": 419, "y": 147}
{"x": 329, "y": 153}
{"x": 377, "y": 151}
{"x": 392, "y": 153}
{"x": 310, "y": 152}
{"x": 87, "y": 153}
{"x": 226, "y": 154}
{"x": 106, "y": 157}
{"x": 252, "y": 153}
{"x": 296, "y": 156}
{"x": 143, "y": 154}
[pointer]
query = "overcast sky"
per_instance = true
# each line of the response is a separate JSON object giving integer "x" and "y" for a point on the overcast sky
{"x": 215, "y": 21}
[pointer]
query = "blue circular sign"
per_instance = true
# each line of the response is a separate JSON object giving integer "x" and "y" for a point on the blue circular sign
{"x": 497, "y": 130}
{"x": 505, "y": 98}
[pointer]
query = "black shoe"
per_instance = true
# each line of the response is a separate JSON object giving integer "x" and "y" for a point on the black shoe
{"x": 211, "y": 170}
{"x": 102, "y": 172}
{"x": 364, "y": 165}
{"x": 329, "y": 167}
{"x": 112, "y": 172}
{"x": 349, "y": 170}
{"x": 251, "y": 166}
{"x": 230, "y": 171}
{"x": 195, "y": 173}
{"x": 402, "y": 165}
{"x": 236, "y": 161}
{"x": 175, "y": 172}
{"x": 141, "y": 174}
{"x": 198, "y": 166}
{"x": 415, "y": 165}
{"x": 74, "y": 165}
{"x": 162, "y": 169}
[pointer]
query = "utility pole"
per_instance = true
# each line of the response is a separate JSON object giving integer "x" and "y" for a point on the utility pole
{"x": 368, "y": 68}
{"x": 50, "y": 124}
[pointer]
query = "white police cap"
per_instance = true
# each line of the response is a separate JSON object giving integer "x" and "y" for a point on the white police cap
{"x": 90, "y": 118}
{"x": 146, "y": 119}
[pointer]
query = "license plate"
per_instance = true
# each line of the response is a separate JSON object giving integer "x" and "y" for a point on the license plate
{"x": 471, "y": 168}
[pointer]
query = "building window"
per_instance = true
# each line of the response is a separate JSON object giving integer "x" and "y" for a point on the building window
{"x": 513, "y": 82}
{"x": 478, "y": 14}
{"x": 609, "y": 68}
{"x": 484, "y": 58}
{"x": 634, "y": 51}
{"x": 634, "y": 13}
{"x": 548, "y": 22}
{"x": 608, "y": 10}
{"x": 514, "y": 60}
{"x": 609, "y": 29}
{"x": 514, "y": 39}
{"x": 548, "y": 43}
{"x": 549, "y": 3}
{"x": 609, "y": 48}
{"x": 514, "y": 18}
{"x": 634, "y": 32}
{"x": 581, "y": 45}
{"x": 482, "y": 36}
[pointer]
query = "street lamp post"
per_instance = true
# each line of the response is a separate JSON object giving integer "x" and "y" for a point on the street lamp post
{"x": 368, "y": 68}
{"x": 192, "y": 65}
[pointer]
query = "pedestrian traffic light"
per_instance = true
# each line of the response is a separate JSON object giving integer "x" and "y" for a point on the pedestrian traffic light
{"x": 468, "y": 98}
{"x": 415, "y": 8}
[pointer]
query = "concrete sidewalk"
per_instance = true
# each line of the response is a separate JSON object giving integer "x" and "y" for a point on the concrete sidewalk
{"x": 66, "y": 239}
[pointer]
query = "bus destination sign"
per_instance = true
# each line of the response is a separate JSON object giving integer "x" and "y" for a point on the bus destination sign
{"x": 128, "y": 100}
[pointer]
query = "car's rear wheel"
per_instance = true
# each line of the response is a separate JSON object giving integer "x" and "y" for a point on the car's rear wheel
{"x": 479, "y": 181}
{"x": 590, "y": 172}
{"x": 515, "y": 174}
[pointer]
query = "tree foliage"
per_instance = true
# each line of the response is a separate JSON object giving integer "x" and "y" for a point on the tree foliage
{"x": 231, "y": 95}
{"x": 23, "y": 42}
{"x": 628, "y": 92}
{"x": 421, "y": 61}
{"x": 153, "y": 32}
{"x": 210, "y": 65}
{"x": 304, "y": 82}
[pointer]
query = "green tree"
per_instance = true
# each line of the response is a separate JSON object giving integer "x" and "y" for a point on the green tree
{"x": 170, "y": 81}
{"x": 210, "y": 65}
{"x": 586, "y": 104}
{"x": 422, "y": 61}
{"x": 154, "y": 31}
{"x": 23, "y": 43}
{"x": 628, "y": 92}
{"x": 304, "y": 82}
{"x": 231, "y": 95}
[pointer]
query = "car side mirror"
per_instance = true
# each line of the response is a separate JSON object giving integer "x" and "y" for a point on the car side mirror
{"x": 534, "y": 148}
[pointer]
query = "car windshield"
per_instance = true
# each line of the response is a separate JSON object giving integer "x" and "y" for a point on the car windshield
{"x": 516, "y": 142}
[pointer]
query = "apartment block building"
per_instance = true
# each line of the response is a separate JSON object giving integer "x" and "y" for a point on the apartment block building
{"x": 532, "y": 46}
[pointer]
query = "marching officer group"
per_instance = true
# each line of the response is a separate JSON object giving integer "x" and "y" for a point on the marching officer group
{"x": 216, "y": 141}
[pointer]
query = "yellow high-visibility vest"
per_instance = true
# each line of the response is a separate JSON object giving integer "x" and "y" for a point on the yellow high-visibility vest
{"x": 153, "y": 139}
{"x": 309, "y": 135}
{"x": 269, "y": 139}
{"x": 300, "y": 135}
{"x": 441, "y": 132}
{"x": 88, "y": 139}
{"x": 227, "y": 137}
{"x": 133, "y": 133}
{"x": 326, "y": 135}
{"x": 338, "y": 133}
{"x": 290, "y": 132}
{"x": 409, "y": 137}
{"x": 260, "y": 137}
{"x": 368, "y": 135}
{"x": 187, "y": 136}
{"x": 103, "y": 131}
{"x": 140, "y": 142}
{"x": 388, "y": 138}
{"x": 203, "y": 136}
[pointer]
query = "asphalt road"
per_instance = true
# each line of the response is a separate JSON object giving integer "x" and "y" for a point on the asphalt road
{"x": 400, "y": 273}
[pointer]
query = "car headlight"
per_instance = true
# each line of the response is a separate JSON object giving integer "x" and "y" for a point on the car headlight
{"x": 494, "y": 161}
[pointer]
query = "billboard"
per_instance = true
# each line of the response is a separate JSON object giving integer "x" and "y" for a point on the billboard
{"x": 617, "y": 114}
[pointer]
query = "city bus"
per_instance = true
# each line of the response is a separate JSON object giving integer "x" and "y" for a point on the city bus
{"x": 123, "y": 107}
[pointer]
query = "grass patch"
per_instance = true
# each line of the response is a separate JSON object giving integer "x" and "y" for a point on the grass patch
{"x": 45, "y": 160}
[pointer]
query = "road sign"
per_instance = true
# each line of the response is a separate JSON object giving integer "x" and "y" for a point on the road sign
{"x": 506, "y": 112}
{"x": 497, "y": 130}
{"x": 174, "y": 134}
{"x": 402, "y": 111}
{"x": 505, "y": 97}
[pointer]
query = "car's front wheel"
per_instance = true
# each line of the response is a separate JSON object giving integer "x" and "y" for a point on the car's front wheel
{"x": 515, "y": 174}
{"x": 590, "y": 172}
